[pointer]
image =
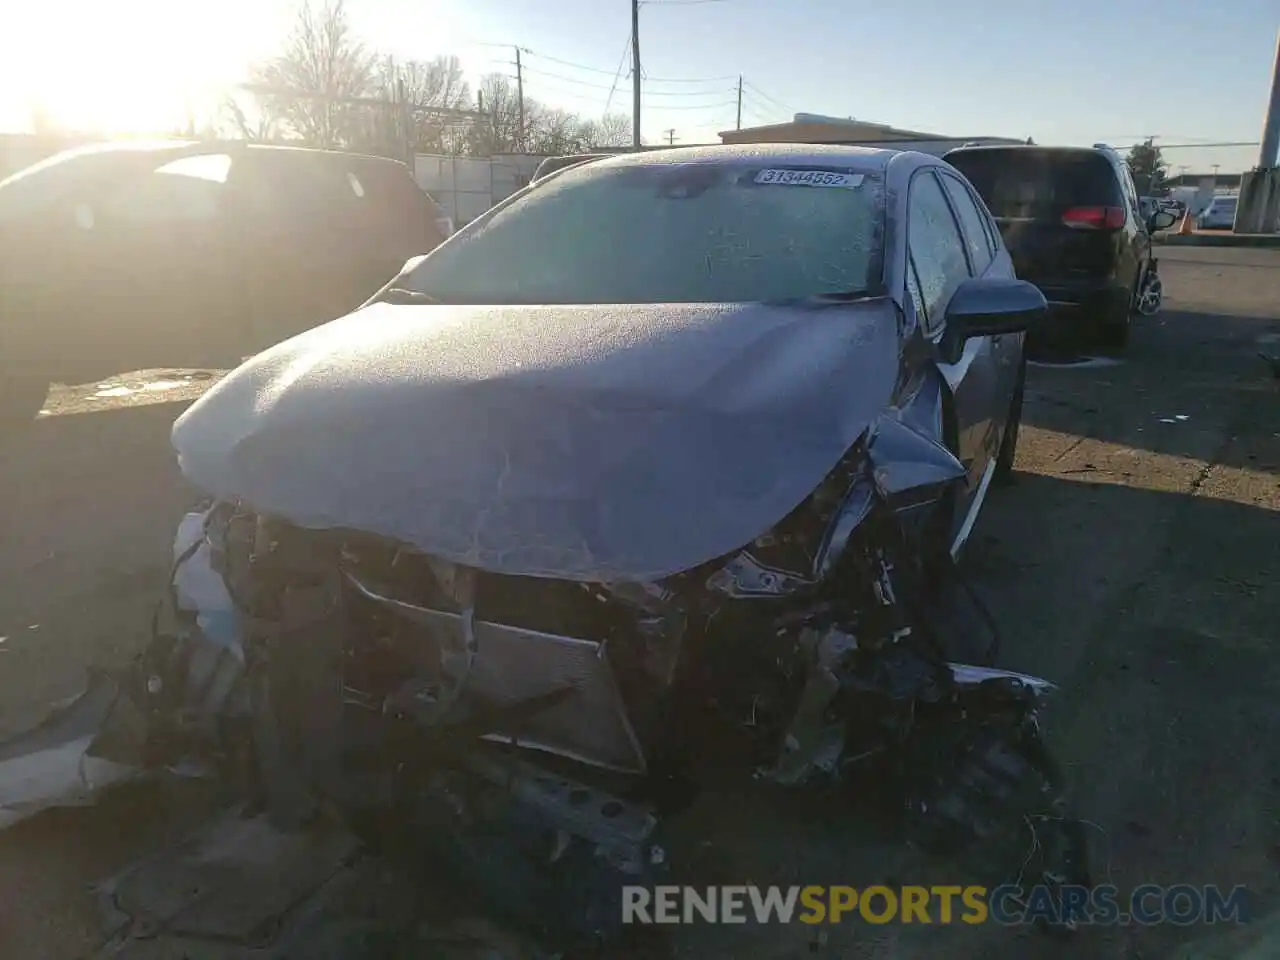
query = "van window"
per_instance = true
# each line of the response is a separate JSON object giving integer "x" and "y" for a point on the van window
{"x": 187, "y": 190}
{"x": 1029, "y": 183}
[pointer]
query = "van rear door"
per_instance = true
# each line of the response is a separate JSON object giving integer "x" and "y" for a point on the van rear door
{"x": 1061, "y": 211}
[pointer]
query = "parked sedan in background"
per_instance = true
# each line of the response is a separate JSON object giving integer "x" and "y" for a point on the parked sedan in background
{"x": 1220, "y": 214}
{"x": 551, "y": 164}
{"x": 129, "y": 255}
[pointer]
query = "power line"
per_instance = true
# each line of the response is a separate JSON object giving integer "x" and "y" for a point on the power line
{"x": 611, "y": 87}
{"x": 611, "y": 73}
{"x": 650, "y": 79}
{"x": 761, "y": 93}
{"x": 1190, "y": 146}
{"x": 700, "y": 106}
{"x": 758, "y": 115}
{"x": 567, "y": 63}
{"x": 617, "y": 74}
{"x": 573, "y": 80}
{"x": 688, "y": 93}
{"x": 677, "y": 3}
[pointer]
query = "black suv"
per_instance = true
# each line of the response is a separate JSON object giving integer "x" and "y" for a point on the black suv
{"x": 1072, "y": 222}
{"x": 133, "y": 255}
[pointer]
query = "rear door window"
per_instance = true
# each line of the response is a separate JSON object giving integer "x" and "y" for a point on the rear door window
{"x": 936, "y": 247}
{"x": 188, "y": 190}
{"x": 973, "y": 221}
{"x": 1027, "y": 183}
{"x": 1131, "y": 191}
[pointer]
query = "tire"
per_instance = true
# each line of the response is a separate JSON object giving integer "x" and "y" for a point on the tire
{"x": 1009, "y": 442}
{"x": 21, "y": 397}
{"x": 1150, "y": 295}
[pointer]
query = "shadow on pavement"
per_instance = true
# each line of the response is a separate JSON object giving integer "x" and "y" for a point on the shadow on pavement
{"x": 1155, "y": 612}
{"x": 1185, "y": 379}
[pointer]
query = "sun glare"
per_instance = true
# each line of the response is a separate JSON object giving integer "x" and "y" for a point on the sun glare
{"x": 131, "y": 66}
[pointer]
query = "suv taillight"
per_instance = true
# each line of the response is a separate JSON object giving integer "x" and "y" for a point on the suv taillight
{"x": 1095, "y": 218}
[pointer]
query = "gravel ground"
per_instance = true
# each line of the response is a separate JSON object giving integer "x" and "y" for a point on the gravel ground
{"x": 1135, "y": 561}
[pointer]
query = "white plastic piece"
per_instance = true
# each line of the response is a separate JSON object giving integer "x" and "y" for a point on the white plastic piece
{"x": 200, "y": 588}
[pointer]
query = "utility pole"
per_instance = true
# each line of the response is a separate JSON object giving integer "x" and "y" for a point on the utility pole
{"x": 671, "y": 136}
{"x": 520, "y": 99}
{"x": 739, "y": 126}
{"x": 635, "y": 74}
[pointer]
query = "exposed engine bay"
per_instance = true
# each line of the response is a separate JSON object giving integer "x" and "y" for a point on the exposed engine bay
{"x": 532, "y": 735}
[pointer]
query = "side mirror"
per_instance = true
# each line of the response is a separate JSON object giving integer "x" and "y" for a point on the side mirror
{"x": 1162, "y": 220}
{"x": 981, "y": 308}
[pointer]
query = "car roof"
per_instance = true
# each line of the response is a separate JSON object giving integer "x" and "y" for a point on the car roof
{"x": 859, "y": 159}
{"x": 1102, "y": 151}
{"x": 116, "y": 148}
{"x": 313, "y": 153}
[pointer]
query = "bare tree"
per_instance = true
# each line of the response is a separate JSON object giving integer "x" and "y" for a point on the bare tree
{"x": 500, "y": 131}
{"x": 328, "y": 90}
{"x": 428, "y": 88}
{"x": 258, "y": 127}
{"x": 558, "y": 131}
{"x": 309, "y": 87}
{"x": 611, "y": 130}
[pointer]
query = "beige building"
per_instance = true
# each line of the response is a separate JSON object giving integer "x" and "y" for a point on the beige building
{"x": 815, "y": 128}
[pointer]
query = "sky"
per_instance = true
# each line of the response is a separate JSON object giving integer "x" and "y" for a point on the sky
{"x": 1062, "y": 71}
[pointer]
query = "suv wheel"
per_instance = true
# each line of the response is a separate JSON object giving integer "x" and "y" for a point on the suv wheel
{"x": 21, "y": 397}
{"x": 1151, "y": 295}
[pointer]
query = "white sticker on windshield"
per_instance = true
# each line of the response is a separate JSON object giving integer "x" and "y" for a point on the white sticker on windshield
{"x": 811, "y": 178}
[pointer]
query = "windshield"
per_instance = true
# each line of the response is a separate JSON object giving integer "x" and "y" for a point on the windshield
{"x": 665, "y": 233}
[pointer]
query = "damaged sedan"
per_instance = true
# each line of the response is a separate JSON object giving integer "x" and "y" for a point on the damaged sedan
{"x": 654, "y": 475}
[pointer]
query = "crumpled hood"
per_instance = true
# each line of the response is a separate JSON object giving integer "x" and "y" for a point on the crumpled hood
{"x": 585, "y": 442}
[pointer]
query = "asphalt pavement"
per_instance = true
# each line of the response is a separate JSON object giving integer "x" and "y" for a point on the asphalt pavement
{"x": 1135, "y": 561}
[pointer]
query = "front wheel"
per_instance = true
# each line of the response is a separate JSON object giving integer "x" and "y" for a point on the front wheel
{"x": 21, "y": 397}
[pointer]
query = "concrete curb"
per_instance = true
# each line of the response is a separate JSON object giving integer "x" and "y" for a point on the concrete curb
{"x": 1219, "y": 239}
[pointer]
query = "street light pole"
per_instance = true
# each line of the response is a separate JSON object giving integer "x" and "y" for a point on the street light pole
{"x": 1270, "y": 155}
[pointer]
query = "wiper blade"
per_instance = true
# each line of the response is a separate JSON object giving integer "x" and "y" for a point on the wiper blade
{"x": 403, "y": 295}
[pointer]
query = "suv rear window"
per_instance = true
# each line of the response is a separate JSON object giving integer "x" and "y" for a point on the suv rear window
{"x": 1030, "y": 183}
